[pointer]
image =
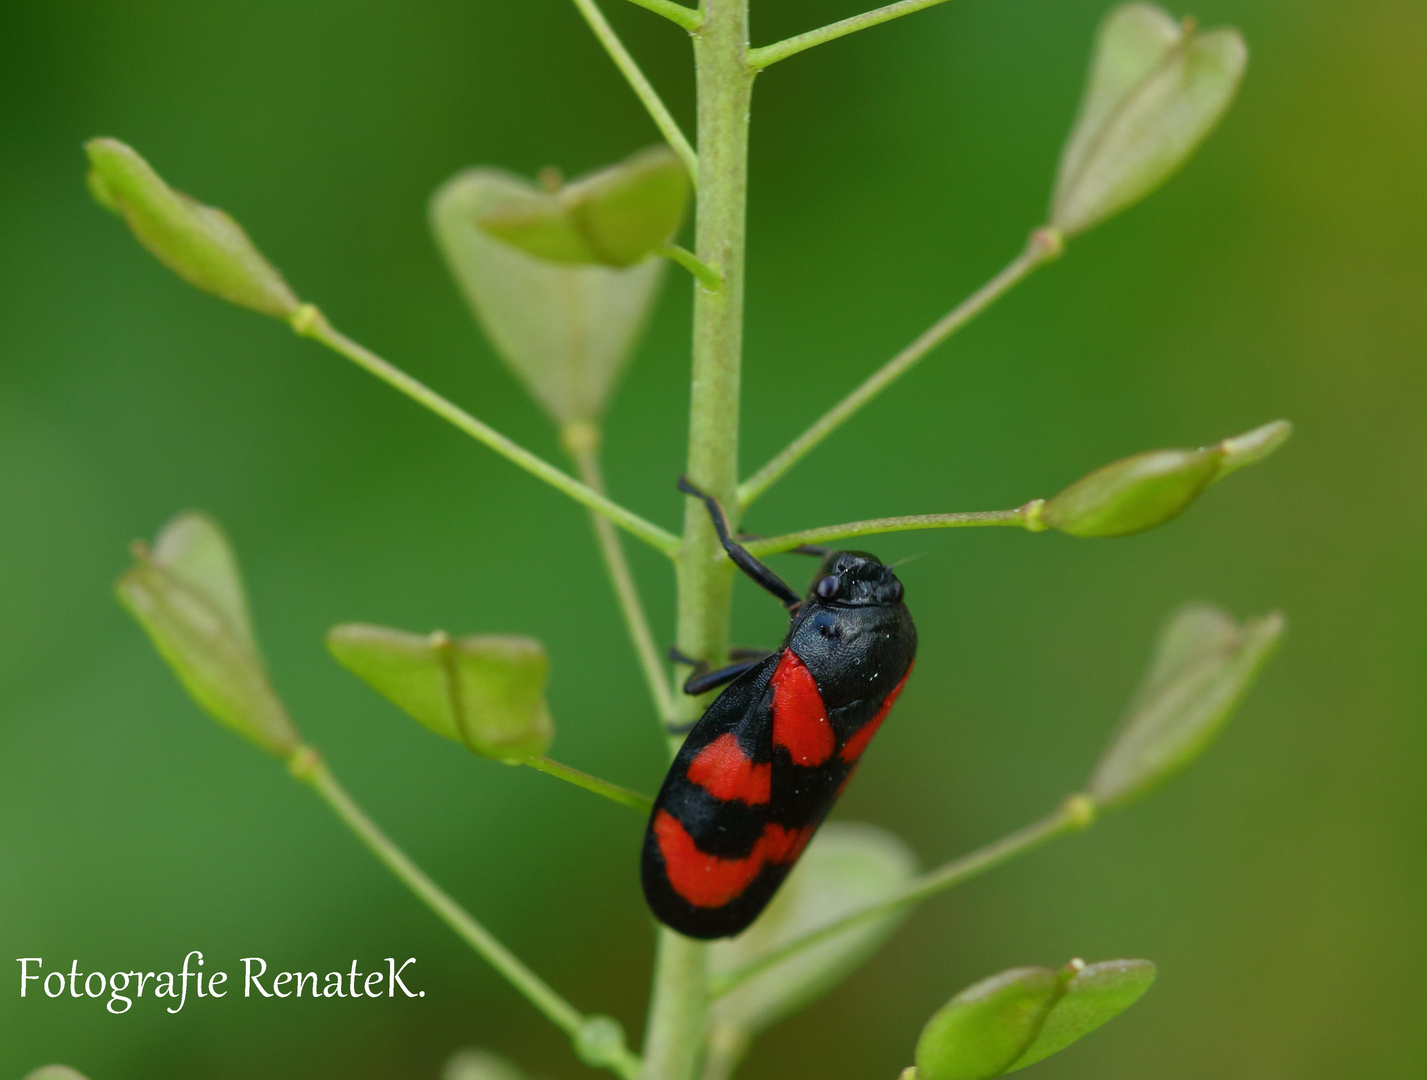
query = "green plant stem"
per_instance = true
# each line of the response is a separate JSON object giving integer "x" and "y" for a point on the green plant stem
{"x": 582, "y": 442}
{"x": 686, "y": 17}
{"x": 758, "y": 59}
{"x": 309, "y": 322}
{"x": 663, "y": 119}
{"x": 707, "y": 276}
{"x": 613, "y": 792}
{"x": 1075, "y": 813}
{"x": 308, "y": 766}
{"x": 678, "y": 1009}
{"x": 1023, "y": 517}
{"x": 1044, "y": 244}
{"x": 728, "y": 1043}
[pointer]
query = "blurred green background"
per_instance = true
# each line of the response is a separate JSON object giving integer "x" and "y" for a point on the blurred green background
{"x": 1280, "y": 884}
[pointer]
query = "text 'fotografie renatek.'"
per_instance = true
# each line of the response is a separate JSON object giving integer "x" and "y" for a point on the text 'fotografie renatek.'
{"x": 123, "y": 988}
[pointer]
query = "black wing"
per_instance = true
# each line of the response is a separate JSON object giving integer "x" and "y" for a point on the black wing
{"x": 705, "y": 864}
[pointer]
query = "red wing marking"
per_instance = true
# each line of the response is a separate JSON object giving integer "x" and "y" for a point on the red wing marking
{"x": 726, "y": 772}
{"x": 852, "y": 749}
{"x": 782, "y": 845}
{"x": 800, "y": 723}
{"x": 708, "y": 881}
{"x": 703, "y": 880}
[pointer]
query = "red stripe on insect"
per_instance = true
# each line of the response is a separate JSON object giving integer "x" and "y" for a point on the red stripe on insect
{"x": 703, "y": 880}
{"x": 800, "y": 724}
{"x": 782, "y": 845}
{"x": 726, "y": 772}
{"x": 708, "y": 881}
{"x": 852, "y": 749}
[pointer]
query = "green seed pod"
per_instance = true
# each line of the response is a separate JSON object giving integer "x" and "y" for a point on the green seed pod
{"x": 1093, "y": 994}
{"x": 1156, "y": 89}
{"x": 1149, "y": 489}
{"x": 565, "y": 329}
{"x": 188, "y": 595}
{"x": 615, "y": 217}
{"x": 981, "y": 1032}
{"x": 486, "y": 692}
{"x": 200, "y": 244}
{"x": 1132, "y": 494}
{"x": 1021, "y": 1016}
{"x": 1203, "y": 665}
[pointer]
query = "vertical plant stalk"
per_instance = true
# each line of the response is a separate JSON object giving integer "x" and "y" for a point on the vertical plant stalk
{"x": 679, "y": 1005}
{"x": 582, "y": 442}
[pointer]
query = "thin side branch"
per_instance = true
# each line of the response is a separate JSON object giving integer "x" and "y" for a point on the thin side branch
{"x": 663, "y": 119}
{"x": 1074, "y": 814}
{"x": 581, "y": 443}
{"x": 1044, "y": 244}
{"x": 707, "y": 276}
{"x": 758, "y": 59}
{"x": 632, "y": 799}
{"x": 309, "y": 322}
{"x": 1023, "y": 517}
{"x": 687, "y": 17}
{"x": 309, "y": 768}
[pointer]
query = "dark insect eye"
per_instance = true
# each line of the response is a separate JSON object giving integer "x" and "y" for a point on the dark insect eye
{"x": 896, "y": 591}
{"x": 828, "y": 587}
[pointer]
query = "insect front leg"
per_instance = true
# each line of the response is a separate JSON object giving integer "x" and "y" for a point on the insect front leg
{"x": 761, "y": 575}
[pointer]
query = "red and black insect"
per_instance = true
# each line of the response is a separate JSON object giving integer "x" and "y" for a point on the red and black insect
{"x": 763, "y": 766}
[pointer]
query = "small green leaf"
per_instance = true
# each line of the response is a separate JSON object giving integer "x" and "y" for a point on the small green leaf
{"x": 1149, "y": 489}
{"x": 1156, "y": 89}
{"x": 479, "y": 1065}
{"x": 484, "y": 691}
{"x": 1093, "y": 995}
{"x": 201, "y": 244}
{"x": 1203, "y": 665}
{"x": 846, "y": 867}
{"x": 56, "y": 1072}
{"x": 187, "y": 593}
{"x": 615, "y": 217}
{"x": 565, "y": 330}
{"x": 981, "y": 1032}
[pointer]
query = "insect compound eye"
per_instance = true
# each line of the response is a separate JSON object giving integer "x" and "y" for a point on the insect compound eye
{"x": 828, "y": 587}
{"x": 895, "y": 592}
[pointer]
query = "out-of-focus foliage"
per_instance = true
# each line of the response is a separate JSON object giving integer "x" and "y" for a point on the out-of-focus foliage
{"x": 1157, "y": 87}
{"x": 566, "y": 329}
{"x": 848, "y": 866}
{"x": 187, "y": 594}
{"x": 1279, "y": 273}
{"x": 201, "y": 244}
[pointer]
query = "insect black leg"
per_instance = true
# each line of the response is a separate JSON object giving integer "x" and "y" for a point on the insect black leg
{"x": 702, "y": 682}
{"x": 678, "y": 656}
{"x": 736, "y": 551}
{"x": 705, "y": 678}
